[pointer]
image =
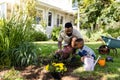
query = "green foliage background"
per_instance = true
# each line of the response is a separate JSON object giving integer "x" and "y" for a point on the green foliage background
{"x": 55, "y": 33}
{"x": 100, "y": 14}
{"x": 16, "y": 48}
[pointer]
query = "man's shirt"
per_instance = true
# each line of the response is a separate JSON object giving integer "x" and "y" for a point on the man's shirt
{"x": 66, "y": 39}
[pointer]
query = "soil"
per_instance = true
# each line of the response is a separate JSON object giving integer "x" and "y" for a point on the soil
{"x": 39, "y": 73}
{"x": 33, "y": 72}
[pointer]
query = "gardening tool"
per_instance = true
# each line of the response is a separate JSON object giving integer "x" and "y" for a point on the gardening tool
{"x": 96, "y": 62}
{"x": 89, "y": 63}
{"x": 111, "y": 44}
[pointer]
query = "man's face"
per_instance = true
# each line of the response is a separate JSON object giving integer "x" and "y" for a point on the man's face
{"x": 69, "y": 31}
{"x": 79, "y": 44}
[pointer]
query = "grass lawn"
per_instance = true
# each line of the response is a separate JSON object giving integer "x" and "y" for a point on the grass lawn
{"x": 110, "y": 71}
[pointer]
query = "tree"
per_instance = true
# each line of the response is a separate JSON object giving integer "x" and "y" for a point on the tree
{"x": 92, "y": 10}
{"x": 26, "y": 8}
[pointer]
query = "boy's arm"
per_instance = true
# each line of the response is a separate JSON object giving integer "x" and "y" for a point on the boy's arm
{"x": 73, "y": 42}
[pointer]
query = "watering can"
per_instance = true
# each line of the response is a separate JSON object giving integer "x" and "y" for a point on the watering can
{"x": 89, "y": 63}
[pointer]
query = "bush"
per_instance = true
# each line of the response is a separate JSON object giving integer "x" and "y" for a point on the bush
{"x": 15, "y": 35}
{"x": 114, "y": 32}
{"x": 89, "y": 35}
{"x": 24, "y": 54}
{"x": 55, "y": 33}
{"x": 39, "y": 36}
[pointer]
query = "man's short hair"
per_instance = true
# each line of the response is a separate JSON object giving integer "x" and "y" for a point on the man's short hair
{"x": 68, "y": 25}
{"x": 79, "y": 40}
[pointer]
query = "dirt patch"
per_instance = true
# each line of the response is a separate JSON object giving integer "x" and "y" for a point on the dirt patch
{"x": 39, "y": 73}
{"x": 33, "y": 72}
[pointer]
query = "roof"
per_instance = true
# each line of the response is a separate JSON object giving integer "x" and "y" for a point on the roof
{"x": 51, "y": 4}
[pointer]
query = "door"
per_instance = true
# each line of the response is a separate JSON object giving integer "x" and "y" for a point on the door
{"x": 49, "y": 19}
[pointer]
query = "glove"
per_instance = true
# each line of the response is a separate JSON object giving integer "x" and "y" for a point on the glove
{"x": 109, "y": 58}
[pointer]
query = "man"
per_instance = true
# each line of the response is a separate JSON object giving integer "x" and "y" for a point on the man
{"x": 68, "y": 35}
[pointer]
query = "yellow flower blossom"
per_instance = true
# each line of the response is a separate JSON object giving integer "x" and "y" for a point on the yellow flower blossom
{"x": 57, "y": 67}
{"x": 47, "y": 67}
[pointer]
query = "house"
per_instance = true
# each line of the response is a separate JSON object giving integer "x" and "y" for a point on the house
{"x": 50, "y": 13}
{"x": 54, "y": 13}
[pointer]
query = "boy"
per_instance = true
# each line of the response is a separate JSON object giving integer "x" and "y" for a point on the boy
{"x": 84, "y": 51}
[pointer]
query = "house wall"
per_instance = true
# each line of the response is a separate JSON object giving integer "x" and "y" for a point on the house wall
{"x": 3, "y": 10}
{"x": 55, "y": 12}
{"x": 56, "y": 7}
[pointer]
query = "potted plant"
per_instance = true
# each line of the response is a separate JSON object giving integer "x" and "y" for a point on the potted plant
{"x": 56, "y": 69}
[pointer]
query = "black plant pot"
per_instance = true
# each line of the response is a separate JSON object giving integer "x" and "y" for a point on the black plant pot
{"x": 56, "y": 75}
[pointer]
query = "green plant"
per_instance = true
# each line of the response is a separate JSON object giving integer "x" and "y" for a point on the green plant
{"x": 39, "y": 36}
{"x": 93, "y": 36}
{"x": 12, "y": 75}
{"x": 55, "y": 33}
{"x": 24, "y": 54}
{"x": 13, "y": 33}
{"x": 56, "y": 67}
{"x": 114, "y": 32}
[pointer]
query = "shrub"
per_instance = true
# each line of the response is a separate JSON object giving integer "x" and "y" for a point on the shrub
{"x": 55, "y": 33}
{"x": 89, "y": 35}
{"x": 24, "y": 54}
{"x": 14, "y": 34}
{"x": 39, "y": 36}
{"x": 114, "y": 32}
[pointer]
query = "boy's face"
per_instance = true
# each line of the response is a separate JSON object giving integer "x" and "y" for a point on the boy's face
{"x": 79, "y": 44}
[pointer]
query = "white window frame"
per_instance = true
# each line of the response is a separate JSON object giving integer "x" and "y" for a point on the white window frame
{"x": 51, "y": 19}
{"x": 3, "y": 12}
{"x": 60, "y": 15}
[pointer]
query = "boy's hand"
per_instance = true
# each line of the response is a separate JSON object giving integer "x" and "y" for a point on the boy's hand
{"x": 82, "y": 59}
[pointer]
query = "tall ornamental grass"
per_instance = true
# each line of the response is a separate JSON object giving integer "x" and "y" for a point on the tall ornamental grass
{"x": 16, "y": 48}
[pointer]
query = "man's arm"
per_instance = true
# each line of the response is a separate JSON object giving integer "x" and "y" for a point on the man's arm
{"x": 60, "y": 39}
{"x": 60, "y": 45}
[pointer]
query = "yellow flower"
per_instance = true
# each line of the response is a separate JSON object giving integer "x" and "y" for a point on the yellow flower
{"x": 53, "y": 63}
{"x": 47, "y": 67}
{"x": 57, "y": 67}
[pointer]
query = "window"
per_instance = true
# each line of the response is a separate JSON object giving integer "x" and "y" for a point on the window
{"x": 58, "y": 20}
{"x": 61, "y": 20}
{"x": 39, "y": 16}
{"x": 2, "y": 10}
{"x": 49, "y": 19}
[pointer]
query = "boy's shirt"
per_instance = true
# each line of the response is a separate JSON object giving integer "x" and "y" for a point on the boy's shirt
{"x": 86, "y": 51}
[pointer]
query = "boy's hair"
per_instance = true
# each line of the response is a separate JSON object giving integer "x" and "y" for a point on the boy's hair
{"x": 68, "y": 25}
{"x": 79, "y": 40}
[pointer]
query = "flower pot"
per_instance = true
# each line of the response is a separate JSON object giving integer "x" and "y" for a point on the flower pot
{"x": 56, "y": 75}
